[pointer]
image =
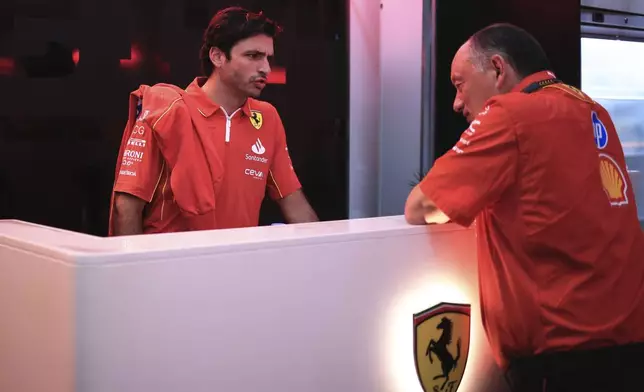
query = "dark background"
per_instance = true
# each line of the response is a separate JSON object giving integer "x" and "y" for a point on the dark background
{"x": 61, "y": 123}
{"x": 556, "y": 26}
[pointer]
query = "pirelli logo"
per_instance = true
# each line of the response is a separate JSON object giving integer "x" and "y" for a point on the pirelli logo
{"x": 136, "y": 142}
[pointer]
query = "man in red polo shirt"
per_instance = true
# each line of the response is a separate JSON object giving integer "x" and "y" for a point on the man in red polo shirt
{"x": 561, "y": 252}
{"x": 203, "y": 157}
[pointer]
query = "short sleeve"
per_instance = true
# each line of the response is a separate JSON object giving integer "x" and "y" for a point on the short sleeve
{"x": 477, "y": 170}
{"x": 282, "y": 180}
{"x": 141, "y": 160}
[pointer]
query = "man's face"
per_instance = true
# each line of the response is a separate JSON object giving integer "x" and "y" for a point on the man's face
{"x": 473, "y": 85}
{"x": 248, "y": 67}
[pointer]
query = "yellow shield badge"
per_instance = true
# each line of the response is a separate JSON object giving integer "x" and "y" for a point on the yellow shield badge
{"x": 256, "y": 119}
{"x": 441, "y": 345}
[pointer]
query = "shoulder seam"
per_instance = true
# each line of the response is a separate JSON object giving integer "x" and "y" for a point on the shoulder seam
{"x": 165, "y": 112}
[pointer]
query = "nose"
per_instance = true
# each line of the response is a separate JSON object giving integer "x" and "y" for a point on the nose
{"x": 458, "y": 104}
{"x": 265, "y": 67}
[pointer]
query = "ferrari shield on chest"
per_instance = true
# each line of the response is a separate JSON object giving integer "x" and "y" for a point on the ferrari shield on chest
{"x": 256, "y": 119}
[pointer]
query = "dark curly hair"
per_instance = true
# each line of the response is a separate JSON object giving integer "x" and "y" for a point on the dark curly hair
{"x": 230, "y": 26}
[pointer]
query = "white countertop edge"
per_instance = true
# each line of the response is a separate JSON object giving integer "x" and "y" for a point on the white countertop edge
{"x": 82, "y": 249}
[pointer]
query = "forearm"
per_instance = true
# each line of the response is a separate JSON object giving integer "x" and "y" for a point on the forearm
{"x": 415, "y": 217}
{"x": 296, "y": 209}
{"x": 127, "y": 215}
{"x": 419, "y": 210}
{"x": 125, "y": 224}
{"x": 420, "y": 214}
{"x": 301, "y": 215}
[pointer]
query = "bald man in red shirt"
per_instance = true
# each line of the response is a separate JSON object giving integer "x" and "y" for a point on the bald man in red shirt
{"x": 560, "y": 248}
{"x": 204, "y": 157}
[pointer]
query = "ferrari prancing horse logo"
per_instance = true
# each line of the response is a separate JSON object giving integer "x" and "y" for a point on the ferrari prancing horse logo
{"x": 256, "y": 119}
{"x": 441, "y": 346}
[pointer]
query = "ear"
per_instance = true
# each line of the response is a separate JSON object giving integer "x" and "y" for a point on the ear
{"x": 217, "y": 57}
{"x": 500, "y": 68}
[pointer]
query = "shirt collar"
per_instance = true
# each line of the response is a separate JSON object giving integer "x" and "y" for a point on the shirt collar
{"x": 535, "y": 77}
{"x": 205, "y": 105}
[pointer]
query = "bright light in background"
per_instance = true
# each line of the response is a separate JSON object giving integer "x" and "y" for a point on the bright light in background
{"x": 134, "y": 60}
{"x": 612, "y": 68}
{"x": 399, "y": 365}
{"x": 76, "y": 56}
{"x": 611, "y": 73}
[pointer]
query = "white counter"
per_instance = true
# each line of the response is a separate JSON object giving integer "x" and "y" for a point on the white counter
{"x": 315, "y": 307}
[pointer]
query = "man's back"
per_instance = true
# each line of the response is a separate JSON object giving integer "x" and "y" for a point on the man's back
{"x": 566, "y": 232}
{"x": 561, "y": 253}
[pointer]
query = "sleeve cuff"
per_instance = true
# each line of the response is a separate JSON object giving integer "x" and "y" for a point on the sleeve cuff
{"x": 284, "y": 192}
{"x": 134, "y": 191}
{"x": 445, "y": 203}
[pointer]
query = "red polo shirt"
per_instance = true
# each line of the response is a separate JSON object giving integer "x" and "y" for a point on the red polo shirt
{"x": 251, "y": 144}
{"x": 561, "y": 252}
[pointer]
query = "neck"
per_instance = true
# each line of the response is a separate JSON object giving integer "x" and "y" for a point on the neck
{"x": 512, "y": 80}
{"x": 222, "y": 95}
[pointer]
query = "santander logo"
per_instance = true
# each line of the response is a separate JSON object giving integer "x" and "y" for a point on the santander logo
{"x": 258, "y": 147}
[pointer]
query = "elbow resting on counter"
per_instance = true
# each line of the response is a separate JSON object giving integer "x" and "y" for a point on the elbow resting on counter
{"x": 420, "y": 210}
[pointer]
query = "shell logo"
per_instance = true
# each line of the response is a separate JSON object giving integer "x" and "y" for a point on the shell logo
{"x": 613, "y": 180}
